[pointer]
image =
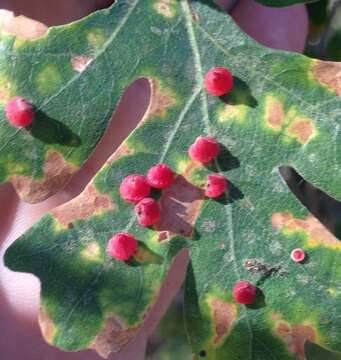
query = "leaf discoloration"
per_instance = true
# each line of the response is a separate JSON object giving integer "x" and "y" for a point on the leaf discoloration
{"x": 113, "y": 337}
{"x": 48, "y": 328}
{"x": 232, "y": 112}
{"x": 56, "y": 173}
{"x": 161, "y": 100}
{"x": 230, "y": 231}
{"x": 274, "y": 113}
{"x": 180, "y": 206}
{"x": 165, "y": 8}
{"x": 48, "y": 80}
{"x": 223, "y": 314}
{"x": 96, "y": 37}
{"x": 328, "y": 74}
{"x": 315, "y": 232}
{"x": 21, "y": 26}
{"x": 89, "y": 203}
{"x": 295, "y": 336}
{"x": 122, "y": 151}
{"x": 6, "y": 89}
{"x": 80, "y": 63}
{"x": 92, "y": 252}
{"x": 302, "y": 129}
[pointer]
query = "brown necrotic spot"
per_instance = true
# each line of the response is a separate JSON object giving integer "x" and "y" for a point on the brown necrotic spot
{"x": 301, "y": 129}
{"x": 165, "y": 8}
{"x": 21, "y": 26}
{"x": 223, "y": 314}
{"x": 295, "y": 336}
{"x": 48, "y": 329}
{"x": 328, "y": 74}
{"x": 80, "y": 63}
{"x": 89, "y": 203}
{"x": 163, "y": 235}
{"x": 161, "y": 100}
{"x": 56, "y": 173}
{"x": 180, "y": 206}
{"x": 274, "y": 113}
{"x": 113, "y": 337}
{"x": 315, "y": 232}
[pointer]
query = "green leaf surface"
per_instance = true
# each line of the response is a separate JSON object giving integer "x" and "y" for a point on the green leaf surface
{"x": 284, "y": 110}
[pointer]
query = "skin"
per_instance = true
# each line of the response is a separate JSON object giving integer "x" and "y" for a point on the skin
{"x": 284, "y": 28}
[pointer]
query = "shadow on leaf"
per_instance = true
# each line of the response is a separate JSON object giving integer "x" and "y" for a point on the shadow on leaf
{"x": 240, "y": 95}
{"x": 51, "y": 131}
{"x": 260, "y": 301}
{"x": 225, "y": 161}
{"x": 234, "y": 194}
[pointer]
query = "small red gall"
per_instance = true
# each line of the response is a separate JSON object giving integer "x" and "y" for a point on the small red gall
{"x": 122, "y": 246}
{"x": 244, "y": 292}
{"x": 204, "y": 149}
{"x": 147, "y": 212}
{"x": 216, "y": 186}
{"x": 160, "y": 176}
{"x": 19, "y": 112}
{"x": 218, "y": 81}
{"x": 297, "y": 255}
{"x": 134, "y": 188}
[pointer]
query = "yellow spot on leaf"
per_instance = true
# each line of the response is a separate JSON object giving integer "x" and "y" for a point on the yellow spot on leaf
{"x": 6, "y": 89}
{"x": 232, "y": 112}
{"x": 48, "y": 80}
{"x": 96, "y": 37}
{"x": 315, "y": 233}
{"x": 165, "y": 8}
{"x": 333, "y": 292}
{"x": 11, "y": 165}
{"x": 182, "y": 165}
{"x": 92, "y": 252}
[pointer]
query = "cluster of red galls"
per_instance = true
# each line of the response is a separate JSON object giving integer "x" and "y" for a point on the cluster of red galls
{"x": 136, "y": 188}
